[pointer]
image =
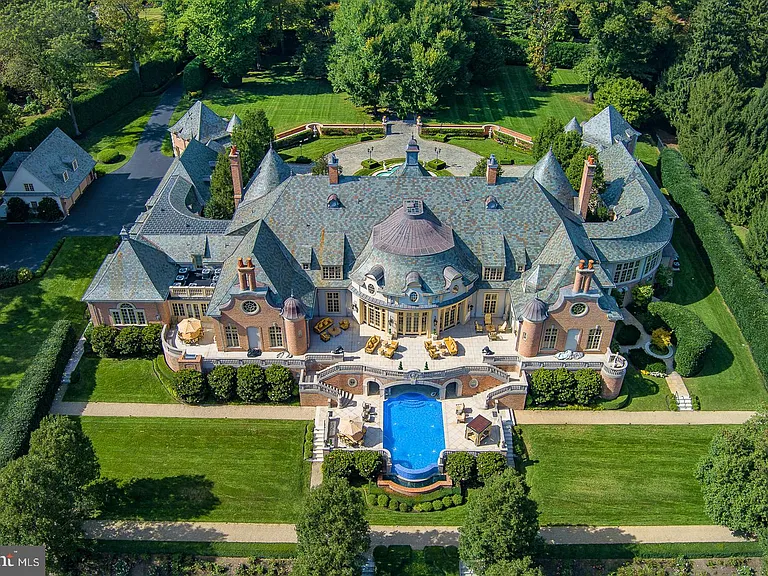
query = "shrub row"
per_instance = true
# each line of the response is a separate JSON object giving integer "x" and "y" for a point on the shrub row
{"x": 465, "y": 468}
{"x": 742, "y": 290}
{"x": 195, "y": 76}
{"x": 693, "y": 336}
{"x": 251, "y": 383}
{"x": 560, "y": 54}
{"x": 294, "y": 139}
{"x": 385, "y": 501}
{"x": 445, "y": 133}
{"x": 110, "y": 342}
{"x": 353, "y": 130}
{"x": 561, "y": 386}
{"x": 12, "y": 276}
{"x": 33, "y": 397}
{"x": 159, "y": 69}
{"x": 349, "y": 464}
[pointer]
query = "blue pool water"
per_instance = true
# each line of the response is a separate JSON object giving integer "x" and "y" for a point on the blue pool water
{"x": 389, "y": 171}
{"x": 413, "y": 433}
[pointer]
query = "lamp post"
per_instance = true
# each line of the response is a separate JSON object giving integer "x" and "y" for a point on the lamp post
{"x": 437, "y": 153}
{"x": 370, "y": 153}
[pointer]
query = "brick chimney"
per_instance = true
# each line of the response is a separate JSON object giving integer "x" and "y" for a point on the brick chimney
{"x": 237, "y": 174}
{"x": 250, "y": 271}
{"x": 587, "y": 177}
{"x": 582, "y": 282}
{"x": 334, "y": 170}
{"x": 492, "y": 170}
{"x": 242, "y": 274}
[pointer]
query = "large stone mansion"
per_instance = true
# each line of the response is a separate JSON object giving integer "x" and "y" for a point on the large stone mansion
{"x": 410, "y": 257}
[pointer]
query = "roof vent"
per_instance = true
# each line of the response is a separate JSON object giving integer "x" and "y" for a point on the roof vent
{"x": 333, "y": 201}
{"x": 413, "y": 207}
{"x": 491, "y": 203}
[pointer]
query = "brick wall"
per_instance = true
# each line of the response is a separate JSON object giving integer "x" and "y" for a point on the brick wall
{"x": 152, "y": 310}
{"x": 234, "y": 315}
{"x": 564, "y": 321}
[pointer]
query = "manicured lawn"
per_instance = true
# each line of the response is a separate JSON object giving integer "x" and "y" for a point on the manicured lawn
{"x": 113, "y": 380}
{"x": 120, "y": 131}
{"x": 203, "y": 469}
{"x": 614, "y": 475}
{"x": 386, "y": 517}
{"x": 404, "y": 561}
{"x": 318, "y": 148}
{"x": 689, "y": 550}
{"x": 514, "y": 102}
{"x": 647, "y": 152}
{"x": 741, "y": 233}
{"x": 730, "y": 379}
{"x": 645, "y": 392}
{"x": 27, "y": 312}
{"x": 287, "y": 98}
{"x": 486, "y": 146}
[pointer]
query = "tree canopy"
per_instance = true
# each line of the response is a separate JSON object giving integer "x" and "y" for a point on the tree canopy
{"x": 252, "y": 138}
{"x": 629, "y": 97}
{"x": 125, "y": 31}
{"x": 332, "y": 532}
{"x": 221, "y": 205}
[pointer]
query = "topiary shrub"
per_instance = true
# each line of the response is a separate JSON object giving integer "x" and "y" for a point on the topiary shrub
{"x": 589, "y": 384}
{"x": 458, "y": 499}
{"x": 222, "y": 381}
{"x": 489, "y": 464}
{"x": 370, "y": 500}
{"x": 693, "y": 336}
{"x": 8, "y": 277}
{"x": 251, "y": 383}
{"x": 189, "y": 386}
{"x": 103, "y": 340}
{"x": 404, "y": 507}
{"x": 370, "y": 163}
{"x": 48, "y": 210}
{"x": 383, "y": 500}
{"x": 280, "y": 382}
{"x": 18, "y": 210}
{"x": 543, "y": 386}
{"x": 426, "y": 506}
{"x": 24, "y": 275}
{"x": 626, "y": 334}
{"x": 108, "y": 156}
{"x": 368, "y": 463}
{"x": 339, "y": 463}
{"x": 195, "y": 75}
{"x": 394, "y": 505}
{"x": 150, "y": 340}
{"x": 437, "y": 505}
{"x": 130, "y": 341}
{"x": 447, "y": 501}
{"x": 460, "y": 466}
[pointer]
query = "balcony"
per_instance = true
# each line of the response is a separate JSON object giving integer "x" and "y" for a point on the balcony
{"x": 204, "y": 292}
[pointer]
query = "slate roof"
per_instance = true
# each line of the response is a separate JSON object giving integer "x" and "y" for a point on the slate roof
{"x": 272, "y": 171}
{"x": 550, "y": 175}
{"x": 606, "y": 128}
{"x": 573, "y": 126}
{"x": 52, "y": 157}
{"x": 200, "y": 123}
{"x": 135, "y": 272}
{"x": 15, "y": 160}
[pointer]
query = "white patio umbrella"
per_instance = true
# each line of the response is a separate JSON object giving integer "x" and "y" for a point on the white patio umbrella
{"x": 352, "y": 428}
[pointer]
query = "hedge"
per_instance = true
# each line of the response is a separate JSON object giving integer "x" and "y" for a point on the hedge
{"x": 740, "y": 287}
{"x": 457, "y": 132}
{"x": 294, "y": 139}
{"x": 353, "y": 130}
{"x": 33, "y": 397}
{"x": 158, "y": 70}
{"x": 195, "y": 76}
{"x": 693, "y": 337}
{"x": 560, "y": 54}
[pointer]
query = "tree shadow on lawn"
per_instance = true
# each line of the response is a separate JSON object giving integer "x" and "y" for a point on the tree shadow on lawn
{"x": 640, "y": 387}
{"x": 182, "y": 497}
{"x": 719, "y": 358}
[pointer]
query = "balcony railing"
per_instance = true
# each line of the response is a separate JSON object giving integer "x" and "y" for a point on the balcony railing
{"x": 191, "y": 291}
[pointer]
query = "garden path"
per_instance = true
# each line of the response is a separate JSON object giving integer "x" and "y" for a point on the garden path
{"x": 608, "y": 417}
{"x": 414, "y": 536}
{"x": 459, "y": 160}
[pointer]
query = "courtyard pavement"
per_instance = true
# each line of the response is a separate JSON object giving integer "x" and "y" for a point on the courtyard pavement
{"x": 414, "y": 536}
{"x": 460, "y": 161}
{"x": 110, "y": 202}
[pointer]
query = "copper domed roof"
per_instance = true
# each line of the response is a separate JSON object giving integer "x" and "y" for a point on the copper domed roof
{"x": 412, "y": 234}
{"x": 535, "y": 310}
{"x": 292, "y": 309}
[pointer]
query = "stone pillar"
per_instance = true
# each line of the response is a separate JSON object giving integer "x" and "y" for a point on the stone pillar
{"x": 334, "y": 170}
{"x": 492, "y": 170}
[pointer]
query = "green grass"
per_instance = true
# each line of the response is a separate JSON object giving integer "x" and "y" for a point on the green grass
{"x": 617, "y": 475}
{"x": 741, "y": 233}
{"x": 486, "y": 146}
{"x": 729, "y": 379}
{"x": 27, "y": 312}
{"x": 647, "y": 152}
{"x": 514, "y": 102}
{"x": 318, "y": 148}
{"x": 404, "y": 561}
{"x": 113, "y": 380}
{"x": 224, "y": 549}
{"x": 120, "y": 131}
{"x": 689, "y": 550}
{"x": 287, "y": 98}
{"x": 203, "y": 469}
{"x": 645, "y": 392}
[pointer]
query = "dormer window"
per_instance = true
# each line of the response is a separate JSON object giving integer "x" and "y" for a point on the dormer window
{"x": 331, "y": 272}
{"x": 306, "y": 265}
{"x": 491, "y": 203}
{"x": 65, "y": 176}
{"x": 74, "y": 165}
{"x": 333, "y": 201}
{"x": 493, "y": 273}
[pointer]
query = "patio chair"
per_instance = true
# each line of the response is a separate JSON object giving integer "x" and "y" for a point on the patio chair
{"x": 344, "y": 324}
{"x": 478, "y": 327}
{"x": 488, "y": 319}
{"x": 324, "y": 336}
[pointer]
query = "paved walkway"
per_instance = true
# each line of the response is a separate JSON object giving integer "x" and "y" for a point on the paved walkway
{"x": 658, "y": 418}
{"x": 110, "y": 202}
{"x": 235, "y": 412}
{"x": 460, "y": 160}
{"x": 415, "y": 536}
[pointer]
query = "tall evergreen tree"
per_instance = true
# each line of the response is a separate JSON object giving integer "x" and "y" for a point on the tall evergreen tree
{"x": 550, "y": 129}
{"x": 252, "y": 139}
{"x": 750, "y": 193}
{"x": 221, "y": 205}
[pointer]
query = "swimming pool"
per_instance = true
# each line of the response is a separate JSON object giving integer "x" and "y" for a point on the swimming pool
{"x": 389, "y": 171}
{"x": 413, "y": 431}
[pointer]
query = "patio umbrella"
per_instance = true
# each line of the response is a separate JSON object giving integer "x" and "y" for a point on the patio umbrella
{"x": 352, "y": 428}
{"x": 189, "y": 328}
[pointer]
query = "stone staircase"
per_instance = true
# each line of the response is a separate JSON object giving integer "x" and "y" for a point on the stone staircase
{"x": 464, "y": 570}
{"x": 318, "y": 441}
{"x": 507, "y": 424}
{"x": 684, "y": 403}
{"x": 311, "y": 384}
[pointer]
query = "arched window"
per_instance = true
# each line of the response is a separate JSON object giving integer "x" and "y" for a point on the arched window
{"x": 127, "y": 314}
{"x": 549, "y": 339}
{"x": 594, "y": 337}
{"x": 275, "y": 337}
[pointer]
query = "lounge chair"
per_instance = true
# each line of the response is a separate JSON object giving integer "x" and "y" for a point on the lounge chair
{"x": 488, "y": 319}
{"x": 451, "y": 346}
{"x": 372, "y": 344}
{"x": 324, "y": 336}
{"x": 478, "y": 327}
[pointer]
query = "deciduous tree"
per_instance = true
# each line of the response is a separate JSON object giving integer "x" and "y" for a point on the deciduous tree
{"x": 629, "y": 97}
{"x": 546, "y": 19}
{"x": 10, "y": 119}
{"x": 516, "y": 567}
{"x": 221, "y": 204}
{"x": 125, "y": 31}
{"x": 332, "y": 532}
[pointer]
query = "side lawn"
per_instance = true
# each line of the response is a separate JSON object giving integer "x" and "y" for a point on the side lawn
{"x": 730, "y": 379}
{"x": 121, "y": 131}
{"x": 28, "y": 311}
{"x": 614, "y": 475}
{"x": 513, "y": 101}
{"x": 202, "y": 469}
{"x": 115, "y": 380}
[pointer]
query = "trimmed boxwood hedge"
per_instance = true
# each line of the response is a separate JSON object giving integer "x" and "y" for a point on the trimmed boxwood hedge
{"x": 626, "y": 334}
{"x": 740, "y": 287}
{"x": 33, "y": 397}
{"x": 693, "y": 337}
{"x": 158, "y": 70}
{"x": 195, "y": 75}
{"x": 561, "y": 54}
{"x": 294, "y": 139}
